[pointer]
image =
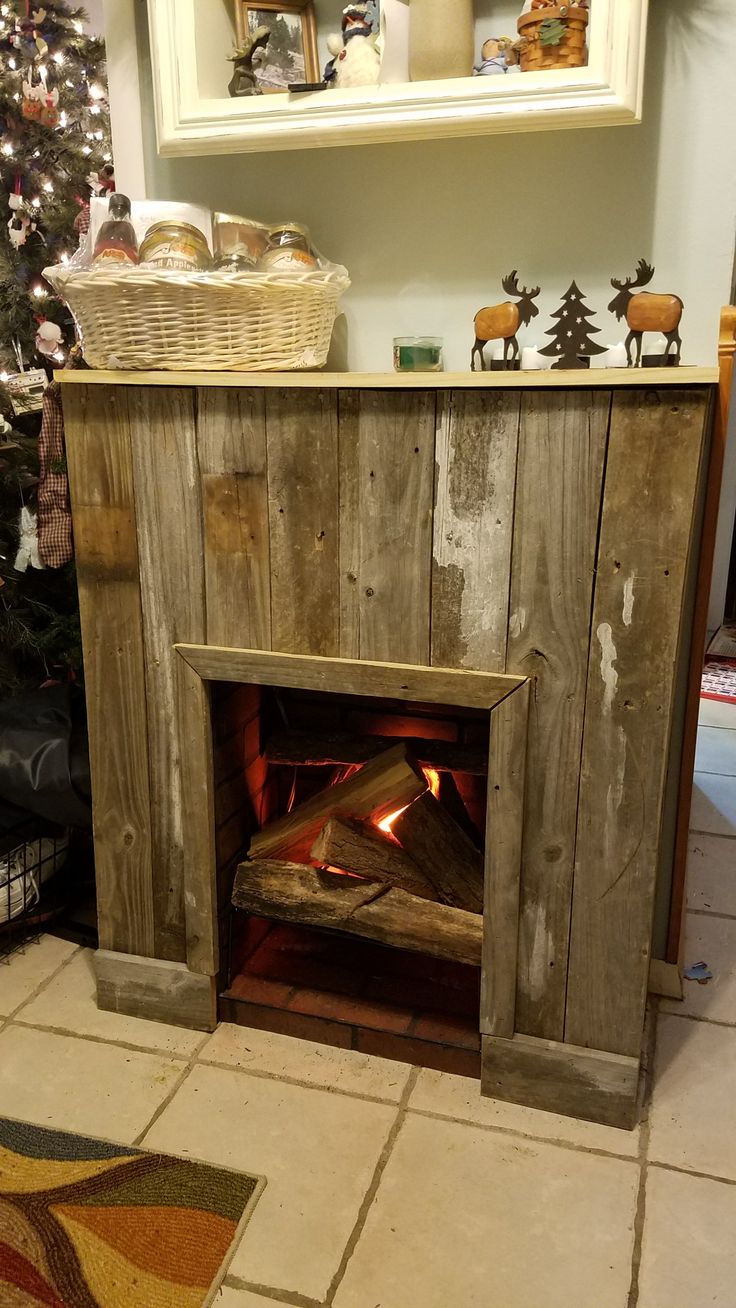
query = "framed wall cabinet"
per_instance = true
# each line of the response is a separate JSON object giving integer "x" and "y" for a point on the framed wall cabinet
{"x": 194, "y": 114}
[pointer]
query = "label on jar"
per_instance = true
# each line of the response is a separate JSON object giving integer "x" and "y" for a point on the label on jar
{"x": 115, "y": 254}
{"x": 177, "y": 255}
{"x": 285, "y": 259}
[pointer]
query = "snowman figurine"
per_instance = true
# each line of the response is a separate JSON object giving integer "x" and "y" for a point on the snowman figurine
{"x": 356, "y": 60}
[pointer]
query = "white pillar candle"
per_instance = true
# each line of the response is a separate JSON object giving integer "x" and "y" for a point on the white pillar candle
{"x": 532, "y": 360}
{"x": 394, "y": 40}
{"x": 615, "y": 357}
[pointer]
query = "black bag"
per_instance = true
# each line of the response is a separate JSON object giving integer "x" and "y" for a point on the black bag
{"x": 44, "y": 758}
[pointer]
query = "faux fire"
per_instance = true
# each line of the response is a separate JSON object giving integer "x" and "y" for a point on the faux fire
{"x": 376, "y": 854}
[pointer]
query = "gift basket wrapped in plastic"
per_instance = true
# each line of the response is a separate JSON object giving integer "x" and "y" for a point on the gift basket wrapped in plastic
{"x": 173, "y": 286}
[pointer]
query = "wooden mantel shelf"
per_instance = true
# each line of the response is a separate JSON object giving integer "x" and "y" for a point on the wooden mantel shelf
{"x": 404, "y": 381}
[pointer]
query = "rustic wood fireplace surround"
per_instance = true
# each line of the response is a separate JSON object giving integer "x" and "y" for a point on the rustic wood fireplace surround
{"x": 520, "y": 546}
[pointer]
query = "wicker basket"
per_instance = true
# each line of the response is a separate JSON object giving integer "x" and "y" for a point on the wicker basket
{"x": 572, "y": 51}
{"x": 191, "y": 322}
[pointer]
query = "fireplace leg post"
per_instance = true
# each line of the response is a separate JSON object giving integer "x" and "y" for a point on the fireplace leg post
{"x": 560, "y": 1078}
{"x": 155, "y": 989}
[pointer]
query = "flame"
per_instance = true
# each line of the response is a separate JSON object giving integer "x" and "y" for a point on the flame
{"x": 386, "y": 824}
{"x": 433, "y": 782}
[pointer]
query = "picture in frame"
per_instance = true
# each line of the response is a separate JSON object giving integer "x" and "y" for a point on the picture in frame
{"x": 291, "y": 54}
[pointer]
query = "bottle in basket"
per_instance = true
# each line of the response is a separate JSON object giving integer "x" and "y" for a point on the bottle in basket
{"x": 116, "y": 242}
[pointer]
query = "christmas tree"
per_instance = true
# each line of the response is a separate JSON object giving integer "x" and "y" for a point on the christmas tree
{"x": 571, "y": 337}
{"x": 54, "y": 154}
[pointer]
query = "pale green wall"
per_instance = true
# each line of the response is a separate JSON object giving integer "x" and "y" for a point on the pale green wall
{"x": 427, "y": 229}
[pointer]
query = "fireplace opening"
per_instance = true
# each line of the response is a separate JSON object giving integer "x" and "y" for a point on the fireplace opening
{"x": 350, "y": 838}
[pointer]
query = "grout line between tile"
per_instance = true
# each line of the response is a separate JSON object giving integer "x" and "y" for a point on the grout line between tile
{"x": 43, "y": 985}
{"x": 518, "y": 1134}
{"x": 690, "y": 1171}
{"x": 267, "y": 1292}
{"x": 641, "y": 1200}
{"x": 106, "y": 1040}
{"x": 165, "y": 1103}
{"x": 372, "y": 1190}
{"x": 295, "y": 1080}
{"x": 695, "y": 1017}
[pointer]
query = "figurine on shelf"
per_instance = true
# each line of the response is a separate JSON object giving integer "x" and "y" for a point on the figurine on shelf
{"x": 648, "y": 313}
{"x": 243, "y": 81}
{"x": 497, "y": 56}
{"x": 572, "y": 345}
{"x": 501, "y": 322}
{"x": 356, "y": 60}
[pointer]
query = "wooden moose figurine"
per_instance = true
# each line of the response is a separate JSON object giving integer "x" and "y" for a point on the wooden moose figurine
{"x": 645, "y": 312}
{"x": 501, "y": 322}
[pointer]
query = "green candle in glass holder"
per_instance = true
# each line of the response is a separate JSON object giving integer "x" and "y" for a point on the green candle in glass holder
{"x": 418, "y": 353}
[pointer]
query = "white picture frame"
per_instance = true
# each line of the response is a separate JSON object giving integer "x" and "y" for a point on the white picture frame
{"x": 607, "y": 92}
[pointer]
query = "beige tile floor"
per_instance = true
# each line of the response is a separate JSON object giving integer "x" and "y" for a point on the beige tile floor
{"x": 394, "y": 1188}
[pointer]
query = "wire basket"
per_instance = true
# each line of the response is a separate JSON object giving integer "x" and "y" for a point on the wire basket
{"x": 570, "y": 52}
{"x": 192, "y": 322}
{"x": 28, "y": 861}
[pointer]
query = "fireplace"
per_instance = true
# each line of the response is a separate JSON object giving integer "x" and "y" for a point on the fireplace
{"x": 366, "y": 837}
{"x": 353, "y": 831}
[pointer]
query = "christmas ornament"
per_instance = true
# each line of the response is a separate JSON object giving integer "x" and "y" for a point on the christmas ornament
{"x": 28, "y": 30}
{"x": 28, "y": 541}
{"x": 572, "y": 346}
{"x": 648, "y": 313}
{"x": 21, "y": 221}
{"x": 48, "y": 338}
{"x": 102, "y": 182}
{"x": 501, "y": 322}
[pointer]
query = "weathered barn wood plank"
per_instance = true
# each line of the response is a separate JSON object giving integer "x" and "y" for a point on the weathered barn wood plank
{"x": 351, "y": 676}
{"x": 200, "y": 874}
{"x": 504, "y": 836}
{"x": 169, "y": 526}
{"x": 301, "y": 437}
{"x": 562, "y": 446}
{"x": 560, "y": 1078}
{"x": 386, "y": 494}
{"x": 477, "y": 442}
{"x": 655, "y": 452}
{"x": 101, "y": 479}
{"x": 231, "y": 437}
{"x": 156, "y": 990}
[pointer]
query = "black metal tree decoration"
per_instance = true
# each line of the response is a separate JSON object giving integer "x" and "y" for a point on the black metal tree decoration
{"x": 571, "y": 346}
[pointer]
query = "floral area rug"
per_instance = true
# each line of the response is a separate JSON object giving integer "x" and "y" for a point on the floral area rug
{"x": 90, "y": 1225}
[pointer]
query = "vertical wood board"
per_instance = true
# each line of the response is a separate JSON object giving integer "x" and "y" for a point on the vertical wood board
{"x": 504, "y": 835}
{"x": 655, "y": 455}
{"x": 477, "y": 442}
{"x": 386, "y": 500}
{"x": 101, "y": 481}
{"x": 198, "y": 807}
{"x": 169, "y": 523}
{"x": 231, "y": 438}
{"x": 562, "y": 446}
{"x": 301, "y": 436}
